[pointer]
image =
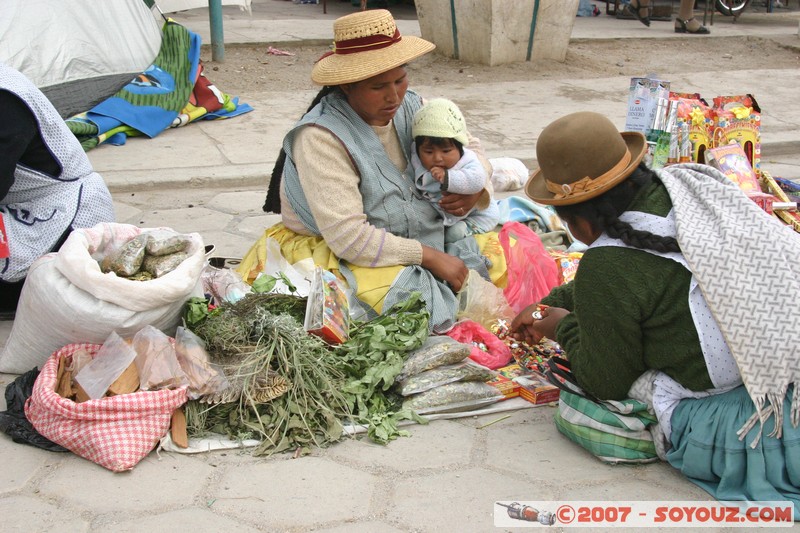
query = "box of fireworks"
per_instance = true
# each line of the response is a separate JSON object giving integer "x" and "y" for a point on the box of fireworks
{"x": 738, "y": 119}
{"x": 535, "y": 388}
{"x": 789, "y": 216}
{"x": 731, "y": 160}
{"x": 567, "y": 263}
{"x": 789, "y": 187}
{"x": 643, "y": 97}
{"x": 509, "y": 388}
{"x": 694, "y": 113}
{"x": 327, "y": 310}
{"x": 511, "y": 371}
{"x": 763, "y": 200}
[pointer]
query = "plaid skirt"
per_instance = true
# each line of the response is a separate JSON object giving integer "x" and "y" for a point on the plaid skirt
{"x": 707, "y": 450}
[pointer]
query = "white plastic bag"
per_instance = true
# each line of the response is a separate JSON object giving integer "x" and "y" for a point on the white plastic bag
{"x": 67, "y": 299}
{"x": 508, "y": 174}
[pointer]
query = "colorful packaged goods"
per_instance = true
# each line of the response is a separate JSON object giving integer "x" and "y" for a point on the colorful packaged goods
{"x": 789, "y": 216}
{"x": 531, "y": 385}
{"x": 567, "y": 263}
{"x": 738, "y": 119}
{"x": 505, "y": 385}
{"x": 535, "y": 388}
{"x": 643, "y": 97}
{"x": 327, "y": 311}
{"x": 731, "y": 160}
{"x": 695, "y": 113}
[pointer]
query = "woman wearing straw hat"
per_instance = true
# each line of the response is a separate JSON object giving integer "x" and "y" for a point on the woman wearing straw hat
{"x": 343, "y": 188}
{"x": 681, "y": 301}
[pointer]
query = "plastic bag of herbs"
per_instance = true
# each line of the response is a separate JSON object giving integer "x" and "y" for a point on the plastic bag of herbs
{"x": 440, "y": 377}
{"x": 291, "y": 389}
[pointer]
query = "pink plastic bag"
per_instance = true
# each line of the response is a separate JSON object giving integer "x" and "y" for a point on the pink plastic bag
{"x": 531, "y": 270}
{"x": 497, "y": 354}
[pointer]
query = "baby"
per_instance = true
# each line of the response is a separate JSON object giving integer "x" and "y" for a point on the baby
{"x": 442, "y": 163}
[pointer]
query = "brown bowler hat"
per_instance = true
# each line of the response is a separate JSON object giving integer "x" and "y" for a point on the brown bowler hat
{"x": 581, "y": 156}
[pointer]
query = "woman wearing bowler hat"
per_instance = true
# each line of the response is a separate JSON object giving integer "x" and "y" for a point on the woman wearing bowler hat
{"x": 684, "y": 299}
{"x": 344, "y": 188}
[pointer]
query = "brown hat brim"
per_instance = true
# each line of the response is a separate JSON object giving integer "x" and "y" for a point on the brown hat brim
{"x": 536, "y": 188}
{"x": 350, "y": 68}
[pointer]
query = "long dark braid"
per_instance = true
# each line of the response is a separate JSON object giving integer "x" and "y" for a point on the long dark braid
{"x": 603, "y": 213}
{"x": 273, "y": 202}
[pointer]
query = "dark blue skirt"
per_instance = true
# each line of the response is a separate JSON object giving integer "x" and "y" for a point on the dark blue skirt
{"x": 707, "y": 450}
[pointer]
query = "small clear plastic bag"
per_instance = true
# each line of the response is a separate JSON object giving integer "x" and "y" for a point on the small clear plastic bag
{"x": 156, "y": 361}
{"x": 453, "y": 398}
{"x": 465, "y": 371}
{"x": 204, "y": 377}
{"x": 166, "y": 241}
{"x": 111, "y": 360}
{"x": 435, "y": 351}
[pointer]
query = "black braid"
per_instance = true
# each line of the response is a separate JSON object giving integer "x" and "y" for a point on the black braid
{"x": 272, "y": 204}
{"x": 603, "y": 213}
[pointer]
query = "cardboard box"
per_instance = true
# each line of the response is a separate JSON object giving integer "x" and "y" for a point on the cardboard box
{"x": 509, "y": 388}
{"x": 511, "y": 371}
{"x": 535, "y": 388}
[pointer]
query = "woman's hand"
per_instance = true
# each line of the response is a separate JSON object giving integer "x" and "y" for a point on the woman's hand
{"x": 459, "y": 204}
{"x": 526, "y": 328}
{"x": 445, "y": 267}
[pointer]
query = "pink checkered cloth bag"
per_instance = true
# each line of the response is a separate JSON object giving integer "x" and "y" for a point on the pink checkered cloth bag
{"x": 115, "y": 432}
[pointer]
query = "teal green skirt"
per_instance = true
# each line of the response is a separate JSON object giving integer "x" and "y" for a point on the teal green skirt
{"x": 707, "y": 450}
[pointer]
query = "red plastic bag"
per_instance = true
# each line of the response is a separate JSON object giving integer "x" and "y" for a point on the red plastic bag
{"x": 531, "y": 270}
{"x": 497, "y": 353}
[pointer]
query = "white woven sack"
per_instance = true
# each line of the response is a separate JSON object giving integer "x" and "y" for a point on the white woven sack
{"x": 115, "y": 432}
{"x": 67, "y": 299}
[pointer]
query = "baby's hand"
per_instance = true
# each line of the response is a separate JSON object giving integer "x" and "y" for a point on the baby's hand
{"x": 438, "y": 173}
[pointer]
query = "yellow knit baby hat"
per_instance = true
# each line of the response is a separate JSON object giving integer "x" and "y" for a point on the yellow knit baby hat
{"x": 440, "y": 118}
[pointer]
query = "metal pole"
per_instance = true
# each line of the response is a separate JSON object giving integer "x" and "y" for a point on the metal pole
{"x": 217, "y": 39}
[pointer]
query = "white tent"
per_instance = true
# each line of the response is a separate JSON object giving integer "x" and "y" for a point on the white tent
{"x": 77, "y": 51}
{"x": 80, "y": 52}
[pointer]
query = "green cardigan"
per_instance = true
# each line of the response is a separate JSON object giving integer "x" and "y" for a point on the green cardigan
{"x": 630, "y": 313}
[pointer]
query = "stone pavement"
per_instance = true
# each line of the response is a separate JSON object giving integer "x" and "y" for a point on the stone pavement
{"x": 447, "y": 475}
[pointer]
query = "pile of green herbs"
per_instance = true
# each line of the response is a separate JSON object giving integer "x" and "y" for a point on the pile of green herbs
{"x": 251, "y": 338}
{"x": 329, "y": 385}
{"x": 372, "y": 357}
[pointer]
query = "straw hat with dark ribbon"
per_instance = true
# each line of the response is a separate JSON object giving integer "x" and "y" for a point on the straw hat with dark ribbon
{"x": 581, "y": 156}
{"x": 365, "y": 44}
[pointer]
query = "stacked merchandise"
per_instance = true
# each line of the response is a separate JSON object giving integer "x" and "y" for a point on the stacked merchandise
{"x": 525, "y": 376}
{"x": 684, "y": 128}
{"x": 439, "y": 377}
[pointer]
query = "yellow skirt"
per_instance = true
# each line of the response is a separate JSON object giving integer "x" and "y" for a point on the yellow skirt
{"x": 373, "y": 282}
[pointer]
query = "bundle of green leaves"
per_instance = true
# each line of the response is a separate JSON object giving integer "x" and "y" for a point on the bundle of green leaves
{"x": 372, "y": 358}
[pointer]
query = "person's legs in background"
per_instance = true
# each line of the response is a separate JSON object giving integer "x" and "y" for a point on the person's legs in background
{"x": 686, "y": 23}
{"x": 640, "y": 10}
